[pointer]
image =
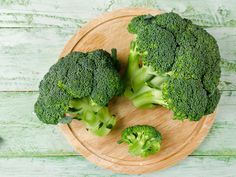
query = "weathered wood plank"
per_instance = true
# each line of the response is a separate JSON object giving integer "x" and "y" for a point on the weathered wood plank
{"x": 24, "y": 135}
{"x": 26, "y": 54}
{"x": 206, "y": 13}
{"x": 79, "y": 167}
{"x": 29, "y": 20}
{"x": 71, "y": 13}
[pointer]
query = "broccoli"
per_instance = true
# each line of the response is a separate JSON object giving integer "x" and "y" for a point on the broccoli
{"x": 143, "y": 140}
{"x": 173, "y": 63}
{"x": 80, "y": 86}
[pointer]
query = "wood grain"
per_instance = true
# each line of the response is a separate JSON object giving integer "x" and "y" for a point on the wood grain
{"x": 179, "y": 138}
{"x": 20, "y": 58}
{"x": 74, "y": 166}
{"x": 73, "y": 13}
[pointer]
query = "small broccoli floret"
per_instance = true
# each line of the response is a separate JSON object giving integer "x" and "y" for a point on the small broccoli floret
{"x": 143, "y": 140}
{"x": 173, "y": 63}
{"x": 80, "y": 86}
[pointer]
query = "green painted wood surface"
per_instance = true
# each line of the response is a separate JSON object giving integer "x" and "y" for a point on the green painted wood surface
{"x": 76, "y": 166}
{"x": 71, "y": 13}
{"x": 32, "y": 34}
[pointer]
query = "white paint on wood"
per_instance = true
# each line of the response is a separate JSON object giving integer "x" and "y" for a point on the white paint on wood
{"x": 32, "y": 12}
{"x": 77, "y": 166}
{"x": 27, "y": 54}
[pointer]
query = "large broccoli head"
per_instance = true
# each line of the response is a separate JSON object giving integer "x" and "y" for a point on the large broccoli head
{"x": 143, "y": 140}
{"x": 80, "y": 86}
{"x": 175, "y": 63}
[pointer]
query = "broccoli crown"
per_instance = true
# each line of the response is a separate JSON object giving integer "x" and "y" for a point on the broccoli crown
{"x": 143, "y": 140}
{"x": 90, "y": 76}
{"x": 175, "y": 63}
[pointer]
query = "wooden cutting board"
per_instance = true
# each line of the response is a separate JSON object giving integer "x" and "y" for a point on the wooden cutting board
{"x": 180, "y": 138}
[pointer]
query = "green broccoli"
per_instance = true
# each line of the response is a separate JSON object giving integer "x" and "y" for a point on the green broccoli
{"x": 143, "y": 140}
{"x": 173, "y": 63}
{"x": 80, "y": 86}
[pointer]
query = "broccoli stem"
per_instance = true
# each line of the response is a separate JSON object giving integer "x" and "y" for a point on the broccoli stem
{"x": 149, "y": 99}
{"x": 96, "y": 118}
{"x": 133, "y": 63}
{"x": 143, "y": 84}
{"x": 135, "y": 75}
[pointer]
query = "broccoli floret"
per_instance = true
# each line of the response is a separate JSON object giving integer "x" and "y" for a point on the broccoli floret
{"x": 213, "y": 100}
{"x": 51, "y": 107}
{"x": 80, "y": 86}
{"x": 143, "y": 140}
{"x": 173, "y": 63}
{"x": 187, "y": 98}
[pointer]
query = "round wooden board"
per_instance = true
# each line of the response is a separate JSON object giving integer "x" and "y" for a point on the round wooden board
{"x": 180, "y": 138}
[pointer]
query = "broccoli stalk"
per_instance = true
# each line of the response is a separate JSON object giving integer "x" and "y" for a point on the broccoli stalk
{"x": 95, "y": 117}
{"x": 143, "y": 84}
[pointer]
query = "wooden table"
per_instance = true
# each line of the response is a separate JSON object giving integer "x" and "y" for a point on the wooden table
{"x": 32, "y": 34}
